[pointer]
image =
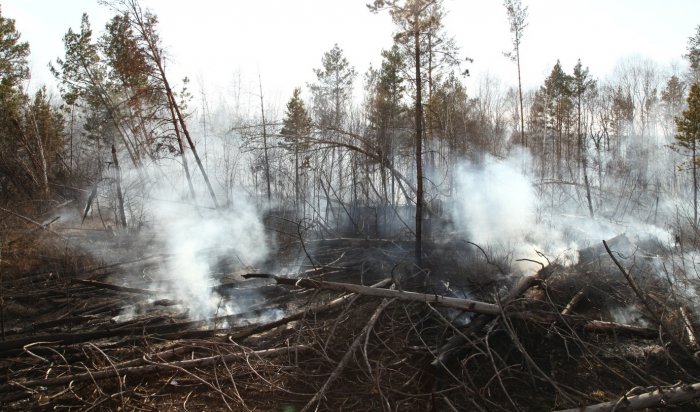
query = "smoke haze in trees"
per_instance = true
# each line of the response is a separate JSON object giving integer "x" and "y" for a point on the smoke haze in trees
{"x": 497, "y": 207}
{"x": 495, "y": 201}
{"x": 204, "y": 243}
{"x": 199, "y": 244}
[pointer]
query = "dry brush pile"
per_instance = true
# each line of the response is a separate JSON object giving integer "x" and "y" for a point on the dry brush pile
{"x": 359, "y": 328}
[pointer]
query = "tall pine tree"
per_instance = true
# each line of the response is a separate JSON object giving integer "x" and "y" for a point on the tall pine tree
{"x": 688, "y": 125}
{"x": 296, "y": 129}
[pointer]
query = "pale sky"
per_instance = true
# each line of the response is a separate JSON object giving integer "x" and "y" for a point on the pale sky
{"x": 214, "y": 42}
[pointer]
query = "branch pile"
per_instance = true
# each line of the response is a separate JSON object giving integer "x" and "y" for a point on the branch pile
{"x": 362, "y": 328}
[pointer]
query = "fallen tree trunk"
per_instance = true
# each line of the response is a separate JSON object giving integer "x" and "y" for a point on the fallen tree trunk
{"x": 657, "y": 397}
{"x": 457, "y": 303}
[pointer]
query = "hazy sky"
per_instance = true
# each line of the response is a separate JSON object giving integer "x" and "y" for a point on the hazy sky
{"x": 216, "y": 41}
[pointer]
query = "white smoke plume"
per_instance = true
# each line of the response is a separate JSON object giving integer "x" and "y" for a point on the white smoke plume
{"x": 199, "y": 244}
{"x": 198, "y": 240}
{"x": 497, "y": 206}
{"x": 495, "y": 201}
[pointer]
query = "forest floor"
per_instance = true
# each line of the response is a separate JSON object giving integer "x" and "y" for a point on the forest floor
{"x": 87, "y": 333}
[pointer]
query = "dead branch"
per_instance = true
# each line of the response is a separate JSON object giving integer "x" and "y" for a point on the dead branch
{"x": 574, "y": 301}
{"x": 650, "y": 399}
{"x": 348, "y": 355}
{"x": 648, "y": 307}
{"x": 253, "y": 330}
{"x": 692, "y": 337}
{"x": 171, "y": 331}
{"x": 464, "y": 304}
{"x": 32, "y": 221}
{"x": 603, "y": 326}
{"x": 102, "y": 285}
{"x": 452, "y": 346}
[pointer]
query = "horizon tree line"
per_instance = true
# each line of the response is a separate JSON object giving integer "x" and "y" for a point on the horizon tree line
{"x": 596, "y": 144}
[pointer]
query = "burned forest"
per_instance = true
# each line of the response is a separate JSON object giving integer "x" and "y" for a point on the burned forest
{"x": 391, "y": 240}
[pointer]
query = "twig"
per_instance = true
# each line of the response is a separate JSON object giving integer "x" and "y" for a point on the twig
{"x": 34, "y": 222}
{"x": 348, "y": 355}
{"x": 102, "y": 285}
{"x": 142, "y": 370}
{"x": 649, "y": 309}
{"x": 486, "y": 256}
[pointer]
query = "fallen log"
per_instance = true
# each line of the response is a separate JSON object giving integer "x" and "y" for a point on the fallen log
{"x": 457, "y": 303}
{"x": 656, "y": 397}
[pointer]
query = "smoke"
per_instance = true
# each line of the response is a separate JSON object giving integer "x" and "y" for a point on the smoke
{"x": 495, "y": 201}
{"x": 205, "y": 244}
{"x": 498, "y": 206}
{"x": 200, "y": 246}
{"x": 198, "y": 241}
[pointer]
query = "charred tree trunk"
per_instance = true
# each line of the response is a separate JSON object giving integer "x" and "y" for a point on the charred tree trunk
{"x": 695, "y": 183}
{"x": 419, "y": 137}
{"x": 181, "y": 147}
{"x": 181, "y": 120}
{"x": 267, "y": 159}
{"x": 150, "y": 39}
{"x": 118, "y": 180}
{"x": 523, "y": 142}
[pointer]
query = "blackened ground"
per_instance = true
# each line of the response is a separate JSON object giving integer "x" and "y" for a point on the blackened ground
{"x": 76, "y": 345}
